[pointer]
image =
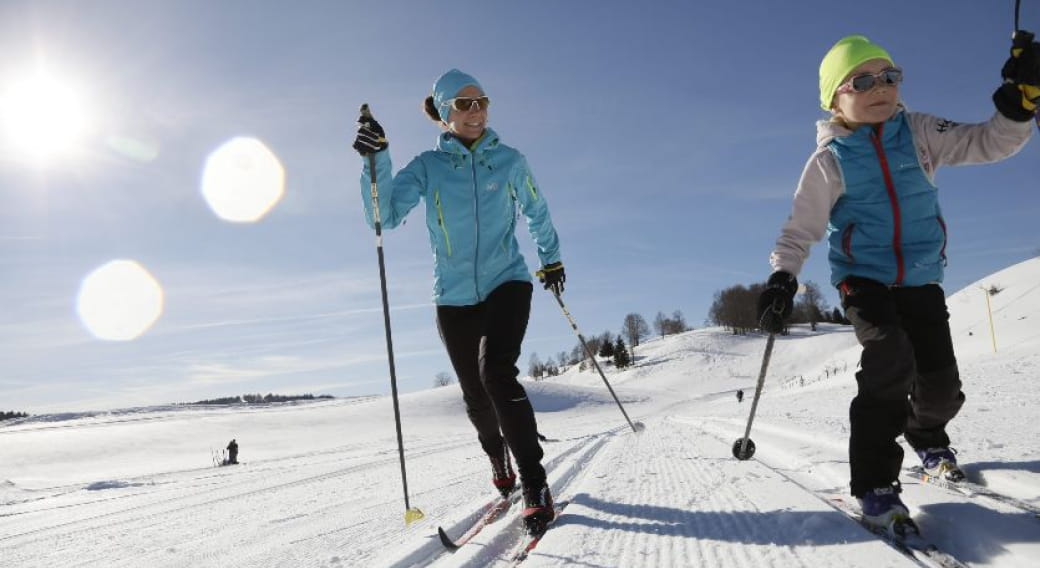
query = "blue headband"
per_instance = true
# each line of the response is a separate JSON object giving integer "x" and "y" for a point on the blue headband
{"x": 449, "y": 85}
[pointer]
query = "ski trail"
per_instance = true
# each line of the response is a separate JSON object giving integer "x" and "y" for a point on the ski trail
{"x": 494, "y": 542}
{"x": 819, "y": 465}
{"x": 675, "y": 497}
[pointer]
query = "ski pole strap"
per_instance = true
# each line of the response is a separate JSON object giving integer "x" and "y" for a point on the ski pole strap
{"x": 554, "y": 267}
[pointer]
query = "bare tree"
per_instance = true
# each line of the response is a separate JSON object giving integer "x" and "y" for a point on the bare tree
{"x": 678, "y": 322}
{"x": 442, "y": 379}
{"x": 551, "y": 370}
{"x": 665, "y": 325}
{"x": 661, "y": 324}
{"x": 535, "y": 367}
{"x": 811, "y": 305}
{"x": 735, "y": 308}
{"x": 635, "y": 328}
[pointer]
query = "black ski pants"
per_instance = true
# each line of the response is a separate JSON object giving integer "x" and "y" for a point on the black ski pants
{"x": 908, "y": 382}
{"x": 483, "y": 342}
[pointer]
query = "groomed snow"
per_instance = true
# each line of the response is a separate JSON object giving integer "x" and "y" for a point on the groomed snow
{"x": 320, "y": 483}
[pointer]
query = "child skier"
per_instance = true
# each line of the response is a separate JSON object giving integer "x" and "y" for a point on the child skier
{"x": 869, "y": 187}
{"x": 473, "y": 185}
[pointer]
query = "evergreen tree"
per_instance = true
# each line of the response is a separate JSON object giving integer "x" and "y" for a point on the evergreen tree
{"x": 621, "y": 358}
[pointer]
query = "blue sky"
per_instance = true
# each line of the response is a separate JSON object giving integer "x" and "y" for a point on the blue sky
{"x": 667, "y": 137}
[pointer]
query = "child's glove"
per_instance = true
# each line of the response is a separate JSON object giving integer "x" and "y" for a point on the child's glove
{"x": 553, "y": 277}
{"x": 370, "y": 136}
{"x": 1019, "y": 96}
{"x": 777, "y": 301}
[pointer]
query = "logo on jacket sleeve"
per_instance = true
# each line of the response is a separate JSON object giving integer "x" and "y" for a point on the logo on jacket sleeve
{"x": 943, "y": 125}
{"x": 491, "y": 186}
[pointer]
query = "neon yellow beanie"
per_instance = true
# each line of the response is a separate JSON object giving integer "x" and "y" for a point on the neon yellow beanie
{"x": 850, "y": 52}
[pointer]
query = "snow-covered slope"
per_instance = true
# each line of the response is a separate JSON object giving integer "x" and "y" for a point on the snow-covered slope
{"x": 321, "y": 485}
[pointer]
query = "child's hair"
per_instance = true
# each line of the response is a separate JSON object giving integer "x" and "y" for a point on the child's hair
{"x": 431, "y": 110}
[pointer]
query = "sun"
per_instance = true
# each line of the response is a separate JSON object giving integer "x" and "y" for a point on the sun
{"x": 43, "y": 117}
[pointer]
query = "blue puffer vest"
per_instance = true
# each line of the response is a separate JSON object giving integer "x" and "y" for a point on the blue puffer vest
{"x": 887, "y": 226}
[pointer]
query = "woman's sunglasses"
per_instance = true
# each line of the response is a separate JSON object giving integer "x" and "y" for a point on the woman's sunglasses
{"x": 463, "y": 104}
{"x": 867, "y": 81}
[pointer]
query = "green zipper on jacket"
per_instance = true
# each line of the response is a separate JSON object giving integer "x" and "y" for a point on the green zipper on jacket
{"x": 440, "y": 219}
{"x": 531, "y": 188}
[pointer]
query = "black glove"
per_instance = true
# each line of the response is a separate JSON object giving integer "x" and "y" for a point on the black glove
{"x": 777, "y": 301}
{"x": 370, "y": 137}
{"x": 1019, "y": 96}
{"x": 553, "y": 277}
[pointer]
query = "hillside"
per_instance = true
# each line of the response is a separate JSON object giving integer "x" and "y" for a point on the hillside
{"x": 320, "y": 483}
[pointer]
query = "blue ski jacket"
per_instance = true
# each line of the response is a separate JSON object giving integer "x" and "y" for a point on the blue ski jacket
{"x": 472, "y": 199}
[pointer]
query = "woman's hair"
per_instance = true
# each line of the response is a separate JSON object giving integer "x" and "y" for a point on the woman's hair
{"x": 431, "y": 110}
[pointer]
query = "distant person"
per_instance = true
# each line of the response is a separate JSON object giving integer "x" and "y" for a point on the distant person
{"x": 870, "y": 188}
{"x": 740, "y": 395}
{"x": 474, "y": 186}
{"x": 232, "y": 449}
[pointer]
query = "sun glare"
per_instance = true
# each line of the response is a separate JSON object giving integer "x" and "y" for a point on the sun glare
{"x": 242, "y": 180}
{"x": 43, "y": 117}
{"x": 119, "y": 301}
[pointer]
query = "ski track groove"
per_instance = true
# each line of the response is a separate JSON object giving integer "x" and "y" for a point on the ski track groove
{"x": 698, "y": 533}
{"x": 496, "y": 543}
{"x": 823, "y": 481}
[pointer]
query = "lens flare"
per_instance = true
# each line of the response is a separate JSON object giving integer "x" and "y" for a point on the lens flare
{"x": 119, "y": 301}
{"x": 136, "y": 149}
{"x": 242, "y": 180}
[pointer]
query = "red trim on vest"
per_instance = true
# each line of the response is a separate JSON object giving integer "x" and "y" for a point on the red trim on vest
{"x": 897, "y": 234}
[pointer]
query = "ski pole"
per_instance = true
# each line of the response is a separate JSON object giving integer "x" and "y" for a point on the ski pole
{"x": 744, "y": 448}
{"x": 411, "y": 514}
{"x": 636, "y": 427}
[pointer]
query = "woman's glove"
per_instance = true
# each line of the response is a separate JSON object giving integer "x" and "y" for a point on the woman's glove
{"x": 553, "y": 277}
{"x": 370, "y": 136}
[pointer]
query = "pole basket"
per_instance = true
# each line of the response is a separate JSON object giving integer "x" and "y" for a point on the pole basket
{"x": 412, "y": 515}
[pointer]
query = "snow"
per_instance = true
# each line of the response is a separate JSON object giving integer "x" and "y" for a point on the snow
{"x": 320, "y": 482}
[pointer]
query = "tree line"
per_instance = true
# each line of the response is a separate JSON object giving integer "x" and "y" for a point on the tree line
{"x": 607, "y": 345}
{"x": 736, "y": 308}
{"x": 8, "y": 415}
{"x": 262, "y": 398}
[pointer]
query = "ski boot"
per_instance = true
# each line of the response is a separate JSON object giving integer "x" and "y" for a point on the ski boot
{"x": 538, "y": 509}
{"x": 883, "y": 510}
{"x": 502, "y": 475}
{"x": 941, "y": 463}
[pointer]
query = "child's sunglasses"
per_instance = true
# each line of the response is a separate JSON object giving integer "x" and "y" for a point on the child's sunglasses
{"x": 463, "y": 104}
{"x": 867, "y": 81}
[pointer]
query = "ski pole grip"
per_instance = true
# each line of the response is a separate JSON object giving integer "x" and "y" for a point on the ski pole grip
{"x": 366, "y": 114}
{"x": 1020, "y": 41}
